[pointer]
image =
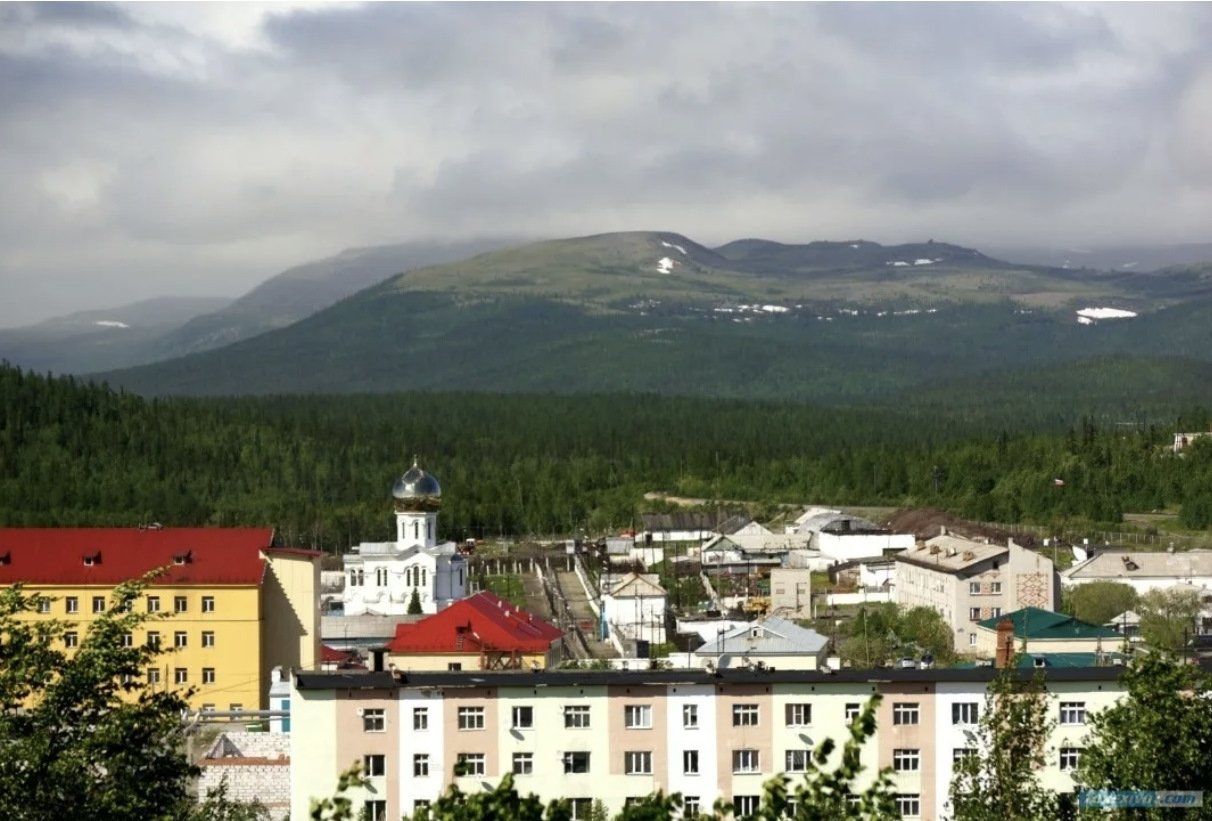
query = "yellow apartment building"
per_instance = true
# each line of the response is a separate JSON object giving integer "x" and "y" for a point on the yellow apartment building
{"x": 234, "y": 605}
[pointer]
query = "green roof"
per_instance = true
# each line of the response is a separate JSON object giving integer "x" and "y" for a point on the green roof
{"x": 1034, "y": 623}
{"x": 1026, "y": 661}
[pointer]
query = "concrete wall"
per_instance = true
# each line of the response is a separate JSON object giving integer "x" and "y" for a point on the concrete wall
{"x": 256, "y": 767}
{"x": 291, "y": 614}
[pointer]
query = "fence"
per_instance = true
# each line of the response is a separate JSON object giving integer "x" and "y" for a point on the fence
{"x": 1097, "y": 537}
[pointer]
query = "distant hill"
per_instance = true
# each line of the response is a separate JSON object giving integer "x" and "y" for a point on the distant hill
{"x": 101, "y": 339}
{"x": 1138, "y": 258}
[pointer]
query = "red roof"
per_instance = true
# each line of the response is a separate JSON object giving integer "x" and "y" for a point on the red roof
{"x": 112, "y": 555}
{"x": 478, "y": 623}
{"x": 332, "y": 654}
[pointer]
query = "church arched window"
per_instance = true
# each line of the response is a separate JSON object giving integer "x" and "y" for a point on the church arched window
{"x": 381, "y": 576}
{"x": 416, "y": 530}
{"x": 429, "y": 530}
{"x": 424, "y": 577}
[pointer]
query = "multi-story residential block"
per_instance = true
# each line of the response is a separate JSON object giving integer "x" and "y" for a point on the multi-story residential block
{"x": 968, "y": 582}
{"x": 235, "y": 607}
{"x": 586, "y": 735}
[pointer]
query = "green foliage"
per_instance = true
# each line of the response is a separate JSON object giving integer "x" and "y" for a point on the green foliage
{"x": 1157, "y": 737}
{"x": 998, "y": 779}
{"x": 1100, "y": 601}
{"x": 83, "y": 736}
{"x": 1167, "y": 618}
{"x": 883, "y": 632}
{"x": 414, "y": 604}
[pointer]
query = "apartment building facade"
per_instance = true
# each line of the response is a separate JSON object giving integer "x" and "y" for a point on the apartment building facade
{"x": 968, "y": 582}
{"x": 615, "y": 736}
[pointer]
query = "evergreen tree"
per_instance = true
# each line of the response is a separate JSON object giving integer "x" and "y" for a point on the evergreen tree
{"x": 414, "y": 604}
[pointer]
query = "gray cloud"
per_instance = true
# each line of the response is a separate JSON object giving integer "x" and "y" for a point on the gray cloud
{"x": 155, "y": 149}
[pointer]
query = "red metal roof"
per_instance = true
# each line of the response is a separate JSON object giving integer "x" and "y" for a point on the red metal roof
{"x": 211, "y": 555}
{"x": 478, "y": 623}
{"x": 332, "y": 654}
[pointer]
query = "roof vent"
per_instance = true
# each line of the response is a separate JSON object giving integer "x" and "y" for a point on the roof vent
{"x": 968, "y": 556}
{"x": 934, "y": 549}
{"x": 184, "y": 558}
{"x": 6, "y": 558}
{"x": 951, "y": 551}
{"x": 1040, "y": 661}
{"x": 92, "y": 559}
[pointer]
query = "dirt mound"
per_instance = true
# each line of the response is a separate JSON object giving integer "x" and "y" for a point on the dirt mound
{"x": 928, "y": 522}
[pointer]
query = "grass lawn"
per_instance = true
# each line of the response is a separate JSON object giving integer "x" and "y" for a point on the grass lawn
{"x": 508, "y": 588}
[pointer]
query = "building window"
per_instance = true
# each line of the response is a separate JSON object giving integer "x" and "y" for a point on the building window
{"x": 972, "y": 639}
{"x": 72, "y": 604}
{"x": 637, "y": 763}
{"x": 1073, "y": 712}
{"x": 180, "y": 676}
{"x": 906, "y": 761}
{"x": 994, "y": 612}
{"x": 374, "y": 721}
{"x": 637, "y": 716}
{"x": 690, "y": 716}
{"x": 235, "y": 708}
{"x": 974, "y": 614}
{"x": 691, "y": 806}
{"x": 375, "y": 810}
{"x": 690, "y": 762}
{"x": 44, "y": 605}
{"x": 745, "y": 805}
{"x": 71, "y": 639}
{"x": 744, "y": 715}
{"x": 420, "y": 718}
{"x": 471, "y": 763}
{"x": 581, "y": 808}
{"x": 523, "y": 763}
{"x": 128, "y": 639}
{"x": 746, "y": 761}
{"x": 974, "y": 588}
{"x": 965, "y": 712}
{"x": 576, "y": 717}
{"x": 523, "y": 718}
{"x": 852, "y": 712}
{"x": 208, "y": 638}
{"x": 454, "y": 666}
{"x": 153, "y": 675}
{"x": 153, "y": 639}
{"x": 909, "y": 805}
{"x": 153, "y": 604}
{"x": 98, "y": 604}
{"x": 208, "y": 708}
{"x": 797, "y": 761}
{"x": 180, "y": 639}
{"x": 799, "y": 715}
{"x": 374, "y": 765}
{"x": 471, "y": 718}
{"x": 356, "y": 578}
{"x": 1070, "y": 757}
{"x": 905, "y": 713}
{"x": 180, "y": 604}
{"x": 576, "y": 763}
{"x": 420, "y": 765}
{"x": 419, "y": 803}
{"x": 381, "y": 576}
{"x": 208, "y": 675}
{"x": 208, "y": 604}
{"x": 960, "y": 753}
{"x": 995, "y": 587}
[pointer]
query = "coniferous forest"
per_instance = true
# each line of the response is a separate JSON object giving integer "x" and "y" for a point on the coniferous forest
{"x": 320, "y": 468}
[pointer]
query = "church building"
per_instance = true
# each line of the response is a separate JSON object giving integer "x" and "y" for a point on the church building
{"x": 381, "y": 578}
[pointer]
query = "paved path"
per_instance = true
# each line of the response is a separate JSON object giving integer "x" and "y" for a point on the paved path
{"x": 582, "y": 614}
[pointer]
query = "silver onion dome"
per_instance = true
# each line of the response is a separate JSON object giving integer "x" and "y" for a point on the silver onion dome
{"x": 416, "y": 484}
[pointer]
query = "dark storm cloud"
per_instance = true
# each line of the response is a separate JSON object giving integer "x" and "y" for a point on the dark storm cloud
{"x": 149, "y": 149}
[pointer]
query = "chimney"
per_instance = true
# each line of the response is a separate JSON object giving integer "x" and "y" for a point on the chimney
{"x": 942, "y": 530}
{"x": 1005, "y": 643}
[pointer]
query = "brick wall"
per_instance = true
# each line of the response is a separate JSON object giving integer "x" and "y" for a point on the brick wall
{"x": 256, "y": 766}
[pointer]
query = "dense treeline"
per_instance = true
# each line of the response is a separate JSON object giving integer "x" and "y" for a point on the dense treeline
{"x": 320, "y": 468}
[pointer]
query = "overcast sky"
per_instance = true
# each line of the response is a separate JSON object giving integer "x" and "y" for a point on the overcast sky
{"x": 154, "y": 149}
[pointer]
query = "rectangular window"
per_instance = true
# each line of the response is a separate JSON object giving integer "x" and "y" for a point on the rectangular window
{"x": 1070, "y": 757}
{"x": 419, "y": 803}
{"x": 374, "y": 765}
{"x": 71, "y": 639}
{"x": 180, "y": 676}
{"x": 153, "y": 675}
{"x": 960, "y": 753}
{"x": 995, "y": 587}
{"x": 454, "y": 666}
{"x": 581, "y": 808}
{"x": 746, "y": 761}
{"x": 180, "y": 639}
{"x": 208, "y": 708}
{"x": 906, "y": 761}
{"x": 799, "y": 715}
{"x": 72, "y": 604}
{"x": 576, "y": 763}
{"x": 744, "y": 715}
{"x": 994, "y": 612}
{"x": 909, "y": 805}
{"x": 637, "y": 716}
{"x": 796, "y": 761}
{"x": 208, "y": 638}
{"x": 420, "y": 765}
{"x": 375, "y": 810}
{"x": 691, "y": 806}
{"x": 974, "y": 588}
{"x": 374, "y": 721}
{"x": 965, "y": 712}
{"x": 905, "y": 713}
{"x": 637, "y": 763}
{"x": 153, "y": 639}
{"x": 472, "y": 763}
{"x": 153, "y": 604}
{"x": 471, "y": 718}
{"x": 971, "y": 639}
{"x": 690, "y": 762}
{"x": 1073, "y": 712}
{"x": 208, "y": 675}
{"x": 853, "y": 711}
{"x": 745, "y": 805}
{"x": 420, "y": 718}
{"x": 44, "y": 605}
{"x": 180, "y": 604}
{"x": 98, "y": 604}
{"x": 576, "y": 717}
{"x": 690, "y": 716}
{"x": 235, "y": 708}
{"x": 523, "y": 763}
{"x": 974, "y": 614}
{"x": 523, "y": 718}
{"x": 208, "y": 604}
{"x": 128, "y": 639}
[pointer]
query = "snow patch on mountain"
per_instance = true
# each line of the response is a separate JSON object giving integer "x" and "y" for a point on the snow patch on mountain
{"x": 111, "y": 323}
{"x": 675, "y": 247}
